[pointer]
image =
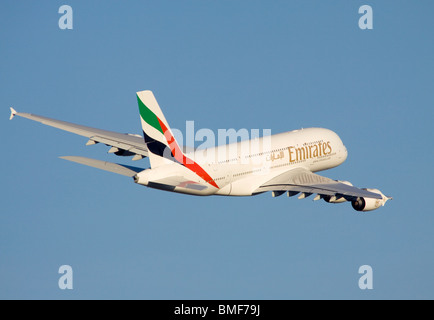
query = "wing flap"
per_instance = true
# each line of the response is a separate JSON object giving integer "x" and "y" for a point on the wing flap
{"x": 302, "y": 180}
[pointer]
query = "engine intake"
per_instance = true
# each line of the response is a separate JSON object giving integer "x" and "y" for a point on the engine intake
{"x": 369, "y": 204}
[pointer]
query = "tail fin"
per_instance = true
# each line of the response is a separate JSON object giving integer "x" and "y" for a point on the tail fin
{"x": 159, "y": 139}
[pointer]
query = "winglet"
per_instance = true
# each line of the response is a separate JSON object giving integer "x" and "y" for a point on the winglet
{"x": 13, "y": 113}
{"x": 385, "y": 199}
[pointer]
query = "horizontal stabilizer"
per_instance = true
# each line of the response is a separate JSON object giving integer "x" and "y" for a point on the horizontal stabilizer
{"x": 124, "y": 170}
{"x": 178, "y": 181}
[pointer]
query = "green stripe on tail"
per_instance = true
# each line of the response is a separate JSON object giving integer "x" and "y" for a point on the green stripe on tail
{"x": 148, "y": 116}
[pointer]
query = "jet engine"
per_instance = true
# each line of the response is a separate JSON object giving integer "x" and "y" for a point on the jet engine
{"x": 369, "y": 204}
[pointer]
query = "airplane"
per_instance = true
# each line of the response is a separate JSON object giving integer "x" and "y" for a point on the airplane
{"x": 285, "y": 163}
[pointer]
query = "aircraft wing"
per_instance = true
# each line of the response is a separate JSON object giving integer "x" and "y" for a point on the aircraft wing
{"x": 121, "y": 143}
{"x": 300, "y": 180}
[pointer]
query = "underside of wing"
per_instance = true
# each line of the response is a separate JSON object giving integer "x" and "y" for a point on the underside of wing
{"x": 304, "y": 181}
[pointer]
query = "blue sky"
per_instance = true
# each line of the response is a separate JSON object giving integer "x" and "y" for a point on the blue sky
{"x": 280, "y": 65}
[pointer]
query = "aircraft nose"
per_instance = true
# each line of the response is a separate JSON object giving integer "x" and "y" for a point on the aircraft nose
{"x": 345, "y": 152}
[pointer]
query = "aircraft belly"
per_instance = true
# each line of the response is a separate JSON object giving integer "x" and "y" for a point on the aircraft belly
{"x": 240, "y": 188}
{"x": 225, "y": 191}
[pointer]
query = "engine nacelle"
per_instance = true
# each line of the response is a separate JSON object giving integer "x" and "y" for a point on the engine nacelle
{"x": 124, "y": 153}
{"x": 369, "y": 204}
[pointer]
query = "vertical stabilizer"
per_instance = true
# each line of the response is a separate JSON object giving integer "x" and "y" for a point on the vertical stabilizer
{"x": 159, "y": 139}
{"x": 161, "y": 143}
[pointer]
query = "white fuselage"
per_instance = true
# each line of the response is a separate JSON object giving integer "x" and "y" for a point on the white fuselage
{"x": 240, "y": 168}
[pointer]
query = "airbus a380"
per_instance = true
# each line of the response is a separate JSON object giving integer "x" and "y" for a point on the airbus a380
{"x": 281, "y": 163}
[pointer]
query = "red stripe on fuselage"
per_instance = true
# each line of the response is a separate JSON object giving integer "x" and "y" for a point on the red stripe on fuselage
{"x": 181, "y": 158}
